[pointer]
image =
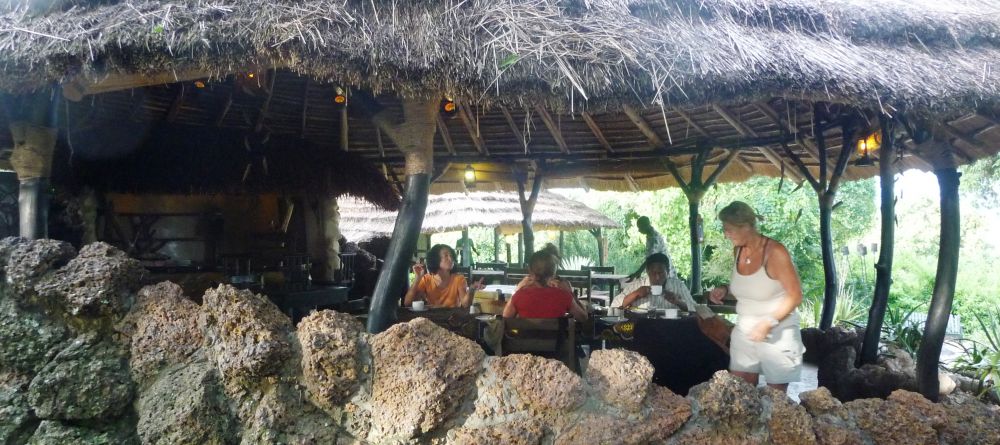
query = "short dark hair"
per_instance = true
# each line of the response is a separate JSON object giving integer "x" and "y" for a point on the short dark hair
{"x": 434, "y": 257}
{"x": 542, "y": 265}
{"x": 656, "y": 258}
{"x": 642, "y": 221}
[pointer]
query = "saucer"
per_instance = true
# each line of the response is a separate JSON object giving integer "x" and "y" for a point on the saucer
{"x": 613, "y": 319}
{"x": 417, "y": 310}
{"x": 486, "y": 317}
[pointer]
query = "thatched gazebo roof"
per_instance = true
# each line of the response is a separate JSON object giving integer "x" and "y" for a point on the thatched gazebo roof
{"x": 603, "y": 90}
{"x": 361, "y": 221}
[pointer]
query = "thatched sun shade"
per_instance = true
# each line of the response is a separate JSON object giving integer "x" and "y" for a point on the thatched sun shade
{"x": 361, "y": 221}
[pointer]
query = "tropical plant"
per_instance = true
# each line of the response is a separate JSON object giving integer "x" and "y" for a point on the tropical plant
{"x": 900, "y": 330}
{"x": 982, "y": 358}
{"x": 575, "y": 263}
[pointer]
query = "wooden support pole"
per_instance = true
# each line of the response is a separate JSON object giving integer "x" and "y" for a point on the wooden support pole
{"x": 528, "y": 206}
{"x": 496, "y": 245}
{"x": 883, "y": 269}
{"x": 466, "y": 249}
{"x": 33, "y": 127}
{"x": 827, "y": 196}
{"x": 562, "y": 235}
{"x": 415, "y": 138}
{"x": 929, "y": 354}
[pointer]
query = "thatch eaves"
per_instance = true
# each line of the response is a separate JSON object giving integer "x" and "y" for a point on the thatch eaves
{"x": 921, "y": 54}
{"x": 360, "y": 221}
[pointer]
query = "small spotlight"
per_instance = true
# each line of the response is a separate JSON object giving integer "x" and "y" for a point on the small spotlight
{"x": 470, "y": 177}
{"x": 448, "y": 107}
{"x": 251, "y": 75}
{"x": 340, "y": 99}
{"x": 199, "y": 84}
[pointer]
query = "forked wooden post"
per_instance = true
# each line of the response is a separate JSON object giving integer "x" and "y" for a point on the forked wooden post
{"x": 883, "y": 269}
{"x": 34, "y": 131}
{"x": 528, "y": 206}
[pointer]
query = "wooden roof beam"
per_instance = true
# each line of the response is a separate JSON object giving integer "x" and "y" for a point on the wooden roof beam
{"x": 473, "y": 128}
{"x": 954, "y": 133}
{"x": 305, "y": 106}
{"x": 594, "y": 128}
{"x": 746, "y": 131}
{"x": 513, "y": 127}
{"x": 445, "y": 134}
{"x": 175, "y": 106}
{"x": 637, "y": 119}
{"x": 687, "y": 118}
{"x": 553, "y": 128}
{"x": 267, "y": 103}
{"x": 771, "y": 114}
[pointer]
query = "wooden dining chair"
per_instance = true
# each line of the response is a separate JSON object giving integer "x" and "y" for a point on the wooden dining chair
{"x": 579, "y": 279}
{"x": 515, "y": 275}
{"x": 545, "y": 337}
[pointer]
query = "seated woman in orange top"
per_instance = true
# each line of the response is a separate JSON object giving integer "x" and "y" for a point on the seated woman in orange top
{"x": 440, "y": 287}
{"x": 536, "y": 300}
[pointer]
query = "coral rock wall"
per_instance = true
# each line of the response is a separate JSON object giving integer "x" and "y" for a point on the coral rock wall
{"x": 88, "y": 357}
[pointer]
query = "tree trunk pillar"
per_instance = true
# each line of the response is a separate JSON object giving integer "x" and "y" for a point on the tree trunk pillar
{"x": 929, "y": 353}
{"x": 32, "y": 160}
{"x": 829, "y": 261}
{"x": 883, "y": 269}
{"x": 415, "y": 138}
{"x": 694, "y": 201}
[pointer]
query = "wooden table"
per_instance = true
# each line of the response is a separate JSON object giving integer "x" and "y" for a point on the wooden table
{"x": 612, "y": 279}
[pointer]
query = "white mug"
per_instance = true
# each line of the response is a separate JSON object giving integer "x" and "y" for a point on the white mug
{"x": 656, "y": 289}
{"x": 670, "y": 313}
{"x": 418, "y": 305}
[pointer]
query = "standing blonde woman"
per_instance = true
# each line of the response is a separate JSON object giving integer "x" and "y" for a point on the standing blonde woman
{"x": 764, "y": 281}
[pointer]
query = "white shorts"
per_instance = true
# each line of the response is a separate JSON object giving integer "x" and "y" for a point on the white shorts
{"x": 778, "y": 358}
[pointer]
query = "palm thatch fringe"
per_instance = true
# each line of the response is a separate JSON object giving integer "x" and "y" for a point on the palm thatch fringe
{"x": 361, "y": 221}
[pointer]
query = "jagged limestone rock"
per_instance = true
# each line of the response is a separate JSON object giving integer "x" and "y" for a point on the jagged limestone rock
{"x": 724, "y": 407}
{"x": 330, "y": 351}
{"x": 88, "y": 379}
{"x": 422, "y": 374}
{"x": 51, "y": 432}
{"x": 247, "y": 337}
{"x": 17, "y": 421}
{"x": 28, "y": 339}
{"x": 99, "y": 282}
{"x": 186, "y": 404}
{"x": 621, "y": 378}
{"x": 790, "y": 423}
{"x": 162, "y": 328}
{"x": 29, "y": 262}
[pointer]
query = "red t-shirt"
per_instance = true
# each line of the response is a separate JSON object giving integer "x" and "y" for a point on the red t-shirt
{"x": 541, "y": 302}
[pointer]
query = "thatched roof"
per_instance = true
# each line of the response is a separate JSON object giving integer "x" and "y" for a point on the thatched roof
{"x": 602, "y": 89}
{"x": 361, "y": 221}
{"x": 184, "y": 159}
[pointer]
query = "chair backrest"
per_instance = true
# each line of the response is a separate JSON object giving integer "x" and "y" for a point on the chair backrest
{"x": 599, "y": 269}
{"x": 579, "y": 279}
{"x": 546, "y": 337}
{"x": 345, "y": 276}
{"x": 516, "y": 274}
{"x": 491, "y": 266}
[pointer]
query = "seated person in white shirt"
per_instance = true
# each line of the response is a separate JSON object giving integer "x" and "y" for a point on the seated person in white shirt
{"x": 638, "y": 292}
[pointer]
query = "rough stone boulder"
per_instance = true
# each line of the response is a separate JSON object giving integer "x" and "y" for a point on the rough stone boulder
{"x": 17, "y": 422}
{"x": 790, "y": 423}
{"x": 516, "y": 432}
{"x": 905, "y": 418}
{"x": 724, "y": 407}
{"x": 51, "y": 432}
{"x": 185, "y": 404}
{"x": 872, "y": 381}
{"x": 330, "y": 351}
{"x": 969, "y": 421}
{"x": 422, "y": 374}
{"x": 283, "y": 416}
{"x": 7, "y": 246}
{"x": 620, "y": 377}
{"x": 29, "y": 261}
{"x": 540, "y": 384}
{"x": 163, "y": 329}
{"x": 99, "y": 282}
{"x": 247, "y": 337}
{"x": 664, "y": 412}
{"x": 831, "y": 421}
{"x": 88, "y": 379}
{"x": 28, "y": 340}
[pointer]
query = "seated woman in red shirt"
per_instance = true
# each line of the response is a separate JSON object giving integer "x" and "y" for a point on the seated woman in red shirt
{"x": 541, "y": 301}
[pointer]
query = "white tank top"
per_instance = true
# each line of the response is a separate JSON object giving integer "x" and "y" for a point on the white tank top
{"x": 757, "y": 295}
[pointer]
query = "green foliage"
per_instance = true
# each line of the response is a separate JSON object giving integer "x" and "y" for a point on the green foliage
{"x": 982, "y": 180}
{"x": 899, "y": 330}
{"x": 982, "y": 358}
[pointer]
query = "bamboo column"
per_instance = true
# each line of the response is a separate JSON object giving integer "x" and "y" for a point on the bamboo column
{"x": 414, "y": 135}
{"x": 883, "y": 277}
{"x": 602, "y": 246}
{"x": 826, "y": 192}
{"x": 929, "y": 354}
{"x": 33, "y": 127}
{"x": 694, "y": 190}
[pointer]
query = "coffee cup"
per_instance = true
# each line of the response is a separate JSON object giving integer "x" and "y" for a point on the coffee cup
{"x": 656, "y": 289}
{"x": 670, "y": 313}
{"x": 418, "y": 305}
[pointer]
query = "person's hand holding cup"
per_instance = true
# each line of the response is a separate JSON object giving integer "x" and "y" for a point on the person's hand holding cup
{"x": 656, "y": 289}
